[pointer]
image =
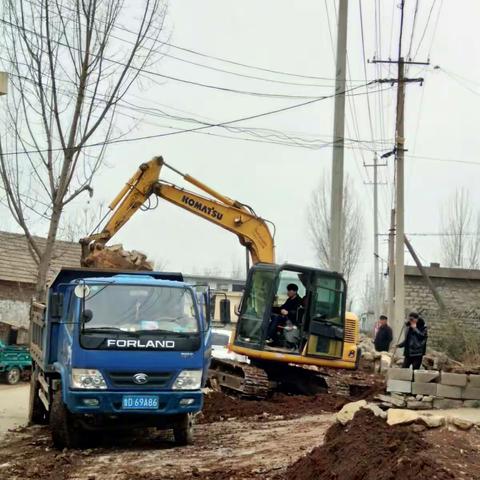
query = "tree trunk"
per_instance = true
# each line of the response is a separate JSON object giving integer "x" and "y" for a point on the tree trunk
{"x": 47, "y": 254}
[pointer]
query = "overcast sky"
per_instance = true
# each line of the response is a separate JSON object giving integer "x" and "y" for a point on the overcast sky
{"x": 277, "y": 180}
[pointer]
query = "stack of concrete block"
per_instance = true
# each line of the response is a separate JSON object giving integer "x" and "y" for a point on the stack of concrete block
{"x": 432, "y": 388}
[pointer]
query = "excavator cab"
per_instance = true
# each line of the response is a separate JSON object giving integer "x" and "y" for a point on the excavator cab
{"x": 318, "y": 333}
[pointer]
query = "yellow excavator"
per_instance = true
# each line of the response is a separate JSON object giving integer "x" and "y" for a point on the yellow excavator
{"x": 323, "y": 334}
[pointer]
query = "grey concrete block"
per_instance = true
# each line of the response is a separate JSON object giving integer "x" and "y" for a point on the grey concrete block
{"x": 392, "y": 400}
{"x": 401, "y": 386}
{"x": 424, "y": 388}
{"x": 425, "y": 376}
{"x": 474, "y": 381}
{"x": 443, "y": 403}
{"x": 405, "y": 374}
{"x": 449, "y": 391}
{"x": 416, "y": 405}
{"x": 471, "y": 403}
{"x": 454, "y": 379}
{"x": 471, "y": 393}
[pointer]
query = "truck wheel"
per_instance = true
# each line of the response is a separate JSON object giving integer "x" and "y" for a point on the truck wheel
{"x": 65, "y": 434}
{"x": 183, "y": 430}
{"x": 13, "y": 376}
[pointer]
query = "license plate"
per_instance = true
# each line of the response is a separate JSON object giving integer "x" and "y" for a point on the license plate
{"x": 140, "y": 402}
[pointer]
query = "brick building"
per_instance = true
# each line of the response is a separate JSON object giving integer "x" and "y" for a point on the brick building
{"x": 460, "y": 290}
{"x": 18, "y": 273}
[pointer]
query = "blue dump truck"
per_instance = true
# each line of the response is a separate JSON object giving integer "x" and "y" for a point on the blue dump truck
{"x": 118, "y": 351}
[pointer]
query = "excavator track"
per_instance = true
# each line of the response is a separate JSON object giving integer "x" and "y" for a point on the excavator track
{"x": 243, "y": 379}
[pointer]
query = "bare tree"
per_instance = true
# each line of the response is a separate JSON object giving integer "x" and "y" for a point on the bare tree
{"x": 319, "y": 226}
{"x": 461, "y": 231}
{"x": 71, "y": 62}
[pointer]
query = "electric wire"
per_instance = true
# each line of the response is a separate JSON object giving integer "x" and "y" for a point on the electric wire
{"x": 147, "y": 72}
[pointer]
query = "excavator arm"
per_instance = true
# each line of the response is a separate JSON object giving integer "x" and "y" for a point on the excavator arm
{"x": 252, "y": 231}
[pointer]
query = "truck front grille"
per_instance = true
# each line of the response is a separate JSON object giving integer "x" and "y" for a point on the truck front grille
{"x": 153, "y": 379}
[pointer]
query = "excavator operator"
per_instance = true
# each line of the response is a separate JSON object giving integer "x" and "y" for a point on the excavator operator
{"x": 285, "y": 314}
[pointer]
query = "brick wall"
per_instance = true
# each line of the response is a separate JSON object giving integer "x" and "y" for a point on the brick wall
{"x": 461, "y": 297}
{"x": 15, "y": 302}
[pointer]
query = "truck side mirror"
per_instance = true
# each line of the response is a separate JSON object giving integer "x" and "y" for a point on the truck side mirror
{"x": 87, "y": 315}
{"x": 56, "y": 305}
{"x": 225, "y": 311}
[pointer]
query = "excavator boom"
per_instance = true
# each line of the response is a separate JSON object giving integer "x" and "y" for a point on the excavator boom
{"x": 252, "y": 231}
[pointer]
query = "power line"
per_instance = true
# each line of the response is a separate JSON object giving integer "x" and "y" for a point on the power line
{"x": 425, "y": 29}
{"x": 144, "y": 71}
{"x": 436, "y": 159}
{"x": 413, "y": 29}
{"x": 258, "y": 132}
{"x": 212, "y": 57}
{"x": 203, "y": 127}
{"x": 365, "y": 66}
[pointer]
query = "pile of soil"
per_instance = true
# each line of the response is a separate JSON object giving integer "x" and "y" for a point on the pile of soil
{"x": 344, "y": 386}
{"x": 355, "y": 384}
{"x": 219, "y": 406}
{"x": 368, "y": 449}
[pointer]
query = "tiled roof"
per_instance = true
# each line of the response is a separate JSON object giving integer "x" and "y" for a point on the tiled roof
{"x": 17, "y": 265}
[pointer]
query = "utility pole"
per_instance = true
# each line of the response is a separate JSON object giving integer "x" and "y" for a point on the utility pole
{"x": 376, "y": 256}
{"x": 398, "y": 268}
{"x": 336, "y": 200}
{"x": 400, "y": 200}
{"x": 391, "y": 273}
{"x": 375, "y": 238}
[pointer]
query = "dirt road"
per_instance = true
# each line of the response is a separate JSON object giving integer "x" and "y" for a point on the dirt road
{"x": 13, "y": 406}
{"x": 239, "y": 449}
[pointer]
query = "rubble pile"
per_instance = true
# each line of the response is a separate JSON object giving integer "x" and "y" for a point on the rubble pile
{"x": 426, "y": 389}
{"x": 371, "y": 359}
{"x": 367, "y": 448}
{"x": 115, "y": 257}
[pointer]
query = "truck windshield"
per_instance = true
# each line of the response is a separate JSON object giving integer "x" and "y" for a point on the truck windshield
{"x": 141, "y": 309}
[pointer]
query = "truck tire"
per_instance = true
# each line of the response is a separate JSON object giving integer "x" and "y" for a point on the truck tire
{"x": 37, "y": 414}
{"x": 65, "y": 434}
{"x": 183, "y": 430}
{"x": 13, "y": 376}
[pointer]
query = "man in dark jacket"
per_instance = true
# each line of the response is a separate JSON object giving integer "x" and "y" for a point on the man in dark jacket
{"x": 415, "y": 343}
{"x": 287, "y": 312}
{"x": 384, "y": 335}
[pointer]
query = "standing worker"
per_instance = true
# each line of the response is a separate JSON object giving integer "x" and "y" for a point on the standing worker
{"x": 384, "y": 335}
{"x": 415, "y": 343}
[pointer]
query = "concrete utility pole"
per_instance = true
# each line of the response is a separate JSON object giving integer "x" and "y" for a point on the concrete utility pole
{"x": 391, "y": 273}
{"x": 375, "y": 238}
{"x": 336, "y": 201}
{"x": 399, "y": 304}
{"x": 376, "y": 256}
{"x": 400, "y": 200}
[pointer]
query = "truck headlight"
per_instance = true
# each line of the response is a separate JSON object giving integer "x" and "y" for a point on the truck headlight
{"x": 188, "y": 380}
{"x": 88, "y": 379}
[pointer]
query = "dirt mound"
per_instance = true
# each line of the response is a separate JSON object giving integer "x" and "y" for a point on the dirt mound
{"x": 368, "y": 449}
{"x": 117, "y": 258}
{"x": 219, "y": 407}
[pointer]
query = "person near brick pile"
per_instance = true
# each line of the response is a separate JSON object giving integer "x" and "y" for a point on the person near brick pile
{"x": 415, "y": 343}
{"x": 383, "y": 336}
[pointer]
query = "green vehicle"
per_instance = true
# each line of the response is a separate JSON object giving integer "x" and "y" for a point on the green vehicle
{"x": 15, "y": 362}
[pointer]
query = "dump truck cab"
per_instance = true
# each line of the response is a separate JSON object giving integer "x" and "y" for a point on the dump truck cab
{"x": 320, "y": 332}
{"x": 115, "y": 349}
